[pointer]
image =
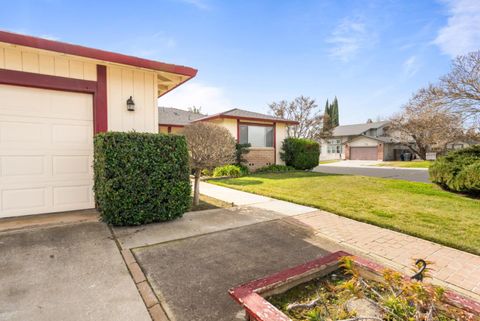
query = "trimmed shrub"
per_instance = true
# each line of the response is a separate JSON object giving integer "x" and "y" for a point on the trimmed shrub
{"x": 458, "y": 171}
{"x": 300, "y": 153}
{"x": 274, "y": 169}
{"x": 227, "y": 170}
{"x": 141, "y": 178}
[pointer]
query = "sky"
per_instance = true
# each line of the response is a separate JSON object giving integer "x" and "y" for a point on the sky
{"x": 371, "y": 55}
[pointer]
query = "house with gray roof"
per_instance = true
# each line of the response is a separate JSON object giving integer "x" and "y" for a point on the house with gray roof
{"x": 265, "y": 133}
{"x": 367, "y": 141}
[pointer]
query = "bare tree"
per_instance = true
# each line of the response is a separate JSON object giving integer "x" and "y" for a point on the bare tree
{"x": 305, "y": 111}
{"x": 459, "y": 90}
{"x": 423, "y": 125}
{"x": 209, "y": 146}
{"x": 195, "y": 109}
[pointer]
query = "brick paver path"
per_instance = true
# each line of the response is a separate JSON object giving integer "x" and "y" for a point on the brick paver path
{"x": 454, "y": 267}
{"x": 458, "y": 269}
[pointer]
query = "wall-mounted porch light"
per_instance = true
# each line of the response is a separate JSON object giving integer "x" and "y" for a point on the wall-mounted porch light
{"x": 130, "y": 104}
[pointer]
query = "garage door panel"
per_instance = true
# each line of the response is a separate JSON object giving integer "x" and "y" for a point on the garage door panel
{"x": 36, "y": 103}
{"x": 21, "y": 199}
{"x": 71, "y": 165}
{"x": 67, "y": 196}
{"x": 46, "y": 151}
{"x": 72, "y": 134}
{"x": 20, "y": 132}
{"x": 363, "y": 153}
{"x": 28, "y": 165}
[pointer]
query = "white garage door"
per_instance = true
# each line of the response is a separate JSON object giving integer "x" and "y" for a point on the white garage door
{"x": 46, "y": 151}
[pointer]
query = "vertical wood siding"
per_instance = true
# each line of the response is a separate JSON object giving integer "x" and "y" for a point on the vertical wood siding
{"x": 122, "y": 82}
{"x": 30, "y": 60}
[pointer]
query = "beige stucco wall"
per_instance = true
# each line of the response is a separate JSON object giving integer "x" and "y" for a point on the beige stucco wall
{"x": 363, "y": 142}
{"x": 230, "y": 124}
{"x": 122, "y": 82}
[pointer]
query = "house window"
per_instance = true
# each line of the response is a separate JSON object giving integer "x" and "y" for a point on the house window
{"x": 257, "y": 136}
{"x": 334, "y": 146}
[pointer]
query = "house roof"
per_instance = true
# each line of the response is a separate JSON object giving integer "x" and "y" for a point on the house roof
{"x": 247, "y": 115}
{"x": 169, "y": 76}
{"x": 176, "y": 117}
{"x": 356, "y": 129}
{"x": 382, "y": 139}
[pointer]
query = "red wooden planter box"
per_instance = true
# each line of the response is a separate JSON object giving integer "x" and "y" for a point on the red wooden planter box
{"x": 251, "y": 295}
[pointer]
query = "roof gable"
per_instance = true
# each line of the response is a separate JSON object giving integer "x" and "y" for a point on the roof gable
{"x": 357, "y": 129}
{"x": 237, "y": 113}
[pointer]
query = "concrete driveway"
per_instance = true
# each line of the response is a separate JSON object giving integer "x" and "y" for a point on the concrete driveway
{"x": 361, "y": 168}
{"x": 192, "y": 262}
{"x": 69, "y": 272}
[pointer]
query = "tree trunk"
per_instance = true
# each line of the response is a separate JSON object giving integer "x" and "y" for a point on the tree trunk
{"x": 196, "y": 190}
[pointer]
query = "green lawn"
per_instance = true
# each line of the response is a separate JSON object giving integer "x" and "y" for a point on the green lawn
{"x": 328, "y": 161}
{"x": 418, "y": 209}
{"x": 209, "y": 203}
{"x": 412, "y": 164}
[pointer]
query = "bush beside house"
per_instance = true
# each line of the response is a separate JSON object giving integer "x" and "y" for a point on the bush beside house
{"x": 458, "y": 171}
{"x": 140, "y": 177}
{"x": 300, "y": 153}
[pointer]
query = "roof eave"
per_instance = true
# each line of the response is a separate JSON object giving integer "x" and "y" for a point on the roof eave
{"x": 76, "y": 50}
{"x": 216, "y": 116}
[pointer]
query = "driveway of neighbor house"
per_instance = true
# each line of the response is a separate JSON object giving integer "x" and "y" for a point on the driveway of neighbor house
{"x": 67, "y": 272}
{"x": 367, "y": 168}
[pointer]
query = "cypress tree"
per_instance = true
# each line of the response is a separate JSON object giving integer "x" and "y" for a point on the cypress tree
{"x": 327, "y": 112}
{"x": 335, "y": 115}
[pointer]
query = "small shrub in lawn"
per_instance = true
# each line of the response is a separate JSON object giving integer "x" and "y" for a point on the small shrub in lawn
{"x": 458, "y": 171}
{"x": 227, "y": 170}
{"x": 300, "y": 153}
{"x": 140, "y": 177}
{"x": 274, "y": 169}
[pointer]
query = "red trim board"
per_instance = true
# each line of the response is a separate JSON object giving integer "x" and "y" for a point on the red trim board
{"x": 98, "y": 89}
{"x": 259, "y": 309}
{"x": 57, "y": 46}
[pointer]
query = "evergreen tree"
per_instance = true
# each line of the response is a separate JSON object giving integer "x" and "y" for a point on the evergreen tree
{"x": 334, "y": 113}
{"x": 327, "y": 119}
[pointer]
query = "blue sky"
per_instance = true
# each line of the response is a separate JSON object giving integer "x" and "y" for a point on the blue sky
{"x": 371, "y": 54}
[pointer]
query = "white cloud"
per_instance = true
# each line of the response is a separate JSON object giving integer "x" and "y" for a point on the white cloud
{"x": 411, "y": 66}
{"x": 349, "y": 38}
{"x": 211, "y": 99}
{"x": 462, "y": 32}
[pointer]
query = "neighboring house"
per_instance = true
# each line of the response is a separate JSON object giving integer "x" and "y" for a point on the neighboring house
{"x": 172, "y": 120}
{"x": 368, "y": 141}
{"x": 53, "y": 97}
{"x": 265, "y": 133}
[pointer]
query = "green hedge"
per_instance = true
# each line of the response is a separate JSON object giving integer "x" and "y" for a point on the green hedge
{"x": 141, "y": 178}
{"x": 458, "y": 171}
{"x": 274, "y": 169}
{"x": 227, "y": 170}
{"x": 300, "y": 153}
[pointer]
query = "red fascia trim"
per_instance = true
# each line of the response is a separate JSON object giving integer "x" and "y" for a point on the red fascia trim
{"x": 100, "y": 108}
{"x": 261, "y": 310}
{"x": 28, "y": 79}
{"x": 57, "y": 46}
{"x": 238, "y": 131}
{"x": 170, "y": 125}
{"x": 275, "y": 143}
{"x": 96, "y": 88}
{"x": 288, "y": 122}
{"x": 255, "y": 124}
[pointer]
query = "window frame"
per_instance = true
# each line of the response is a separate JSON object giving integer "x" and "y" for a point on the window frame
{"x": 240, "y": 124}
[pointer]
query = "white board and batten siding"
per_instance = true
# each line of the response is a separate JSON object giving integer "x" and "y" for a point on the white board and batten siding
{"x": 46, "y": 136}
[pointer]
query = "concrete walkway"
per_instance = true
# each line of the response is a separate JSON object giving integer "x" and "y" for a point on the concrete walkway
{"x": 456, "y": 269}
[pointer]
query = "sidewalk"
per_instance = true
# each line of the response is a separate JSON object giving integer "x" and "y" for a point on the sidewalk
{"x": 456, "y": 269}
